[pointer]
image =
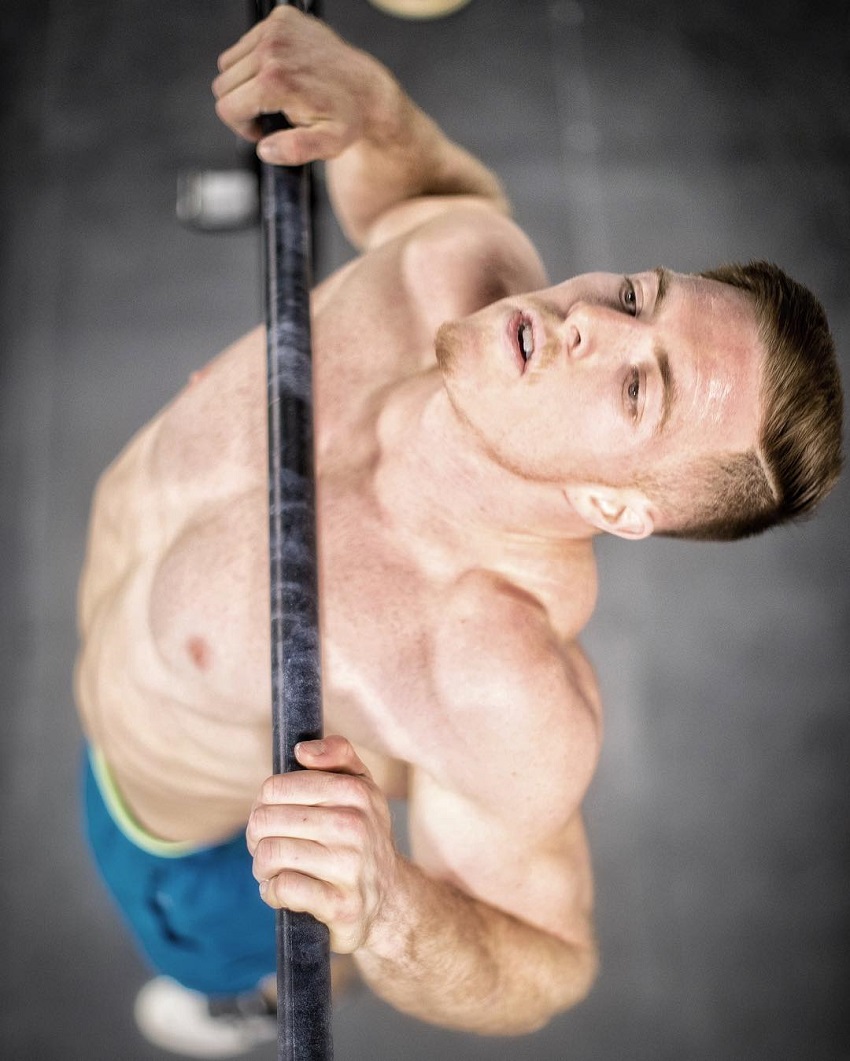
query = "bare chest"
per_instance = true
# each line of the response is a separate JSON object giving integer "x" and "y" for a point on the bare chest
{"x": 209, "y": 592}
{"x": 379, "y": 610}
{"x": 210, "y": 617}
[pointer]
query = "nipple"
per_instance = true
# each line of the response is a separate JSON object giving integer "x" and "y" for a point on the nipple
{"x": 199, "y": 652}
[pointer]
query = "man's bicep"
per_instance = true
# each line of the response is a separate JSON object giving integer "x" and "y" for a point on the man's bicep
{"x": 542, "y": 878}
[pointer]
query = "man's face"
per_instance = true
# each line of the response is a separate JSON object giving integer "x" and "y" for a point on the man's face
{"x": 606, "y": 378}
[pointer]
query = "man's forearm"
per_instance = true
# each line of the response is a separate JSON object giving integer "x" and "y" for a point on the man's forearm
{"x": 448, "y": 959}
{"x": 322, "y": 843}
{"x": 402, "y": 155}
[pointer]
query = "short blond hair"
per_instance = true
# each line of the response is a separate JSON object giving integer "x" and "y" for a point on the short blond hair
{"x": 734, "y": 495}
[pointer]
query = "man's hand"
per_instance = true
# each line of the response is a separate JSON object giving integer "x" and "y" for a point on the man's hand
{"x": 322, "y": 842}
{"x": 294, "y": 64}
{"x": 347, "y": 109}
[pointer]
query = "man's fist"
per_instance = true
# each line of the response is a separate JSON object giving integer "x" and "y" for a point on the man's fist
{"x": 322, "y": 842}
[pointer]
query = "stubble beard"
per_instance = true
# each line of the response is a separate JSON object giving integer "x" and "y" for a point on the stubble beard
{"x": 445, "y": 346}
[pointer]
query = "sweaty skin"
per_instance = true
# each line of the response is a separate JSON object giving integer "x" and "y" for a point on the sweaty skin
{"x": 456, "y": 560}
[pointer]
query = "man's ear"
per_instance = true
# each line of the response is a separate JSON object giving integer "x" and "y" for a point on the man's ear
{"x": 624, "y": 511}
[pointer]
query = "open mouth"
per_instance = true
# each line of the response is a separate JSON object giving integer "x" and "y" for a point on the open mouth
{"x": 526, "y": 340}
{"x": 524, "y": 336}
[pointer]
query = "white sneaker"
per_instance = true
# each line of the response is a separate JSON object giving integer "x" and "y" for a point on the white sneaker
{"x": 186, "y": 1022}
{"x": 419, "y": 9}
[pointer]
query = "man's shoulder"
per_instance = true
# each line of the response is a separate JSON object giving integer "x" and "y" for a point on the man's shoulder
{"x": 521, "y": 707}
{"x": 470, "y": 252}
{"x": 504, "y": 669}
{"x": 431, "y": 260}
{"x": 456, "y": 254}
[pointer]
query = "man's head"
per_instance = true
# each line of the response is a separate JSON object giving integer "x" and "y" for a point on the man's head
{"x": 798, "y": 456}
{"x": 699, "y": 406}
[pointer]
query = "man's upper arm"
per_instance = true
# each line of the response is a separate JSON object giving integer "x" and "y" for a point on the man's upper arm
{"x": 496, "y": 808}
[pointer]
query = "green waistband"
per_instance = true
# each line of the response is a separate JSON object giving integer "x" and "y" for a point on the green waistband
{"x": 125, "y": 821}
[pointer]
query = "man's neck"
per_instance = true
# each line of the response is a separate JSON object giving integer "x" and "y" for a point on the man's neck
{"x": 436, "y": 481}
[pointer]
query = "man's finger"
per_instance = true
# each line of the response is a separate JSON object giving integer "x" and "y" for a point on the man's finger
{"x": 303, "y": 894}
{"x": 332, "y": 753}
{"x": 343, "y": 826}
{"x": 281, "y": 854}
{"x": 240, "y": 108}
{"x": 271, "y": 27}
{"x": 300, "y": 822}
{"x": 241, "y": 48}
{"x": 317, "y": 786}
{"x": 237, "y": 74}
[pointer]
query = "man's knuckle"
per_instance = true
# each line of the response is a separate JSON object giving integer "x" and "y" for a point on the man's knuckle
{"x": 272, "y": 77}
{"x": 296, "y": 149}
{"x": 284, "y": 888}
{"x": 355, "y": 791}
{"x": 262, "y": 859}
{"x": 273, "y": 790}
{"x": 344, "y": 908}
{"x": 349, "y": 823}
{"x": 349, "y": 864}
{"x": 265, "y": 848}
{"x": 257, "y": 826}
{"x": 275, "y": 31}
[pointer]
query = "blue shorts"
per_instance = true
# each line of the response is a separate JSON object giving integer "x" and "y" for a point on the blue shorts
{"x": 195, "y": 913}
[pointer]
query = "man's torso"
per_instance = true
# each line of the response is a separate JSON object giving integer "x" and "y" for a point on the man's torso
{"x": 173, "y": 678}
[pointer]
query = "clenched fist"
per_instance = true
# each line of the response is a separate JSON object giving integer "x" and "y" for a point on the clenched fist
{"x": 322, "y": 843}
{"x": 329, "y": 91}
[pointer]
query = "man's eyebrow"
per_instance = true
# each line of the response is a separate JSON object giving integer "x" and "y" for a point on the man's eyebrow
{"x": 668, "y": 388}
{"x": 668, "y": 384}
{"x": 663, "y": 276}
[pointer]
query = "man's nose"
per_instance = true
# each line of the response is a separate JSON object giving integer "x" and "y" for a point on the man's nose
{"x": 589, "y": 328}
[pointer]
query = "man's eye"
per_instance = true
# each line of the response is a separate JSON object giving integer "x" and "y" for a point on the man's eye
{"x": 629, "y": 297}
{"x": 633, "y": 391}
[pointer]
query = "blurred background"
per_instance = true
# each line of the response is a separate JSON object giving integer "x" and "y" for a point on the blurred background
{"x": 628, "y": 135}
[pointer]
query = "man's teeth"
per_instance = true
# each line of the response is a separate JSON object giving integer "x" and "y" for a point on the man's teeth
{"x": 526, "y": 340}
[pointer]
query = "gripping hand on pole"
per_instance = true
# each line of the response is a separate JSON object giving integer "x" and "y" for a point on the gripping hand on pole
{"x": 322, "y": 843}
{"x": 294, "y": 64}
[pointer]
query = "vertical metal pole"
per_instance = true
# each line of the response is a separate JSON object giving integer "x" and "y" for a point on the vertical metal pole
{"x": 303, "y": 953}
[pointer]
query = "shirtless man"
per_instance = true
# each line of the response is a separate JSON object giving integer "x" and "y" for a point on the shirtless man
{"x": 459, "y": 495}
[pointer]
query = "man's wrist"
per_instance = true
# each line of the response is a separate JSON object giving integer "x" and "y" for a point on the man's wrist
{"x": 388, "y": 113}
{"x": 397, "y": 916}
